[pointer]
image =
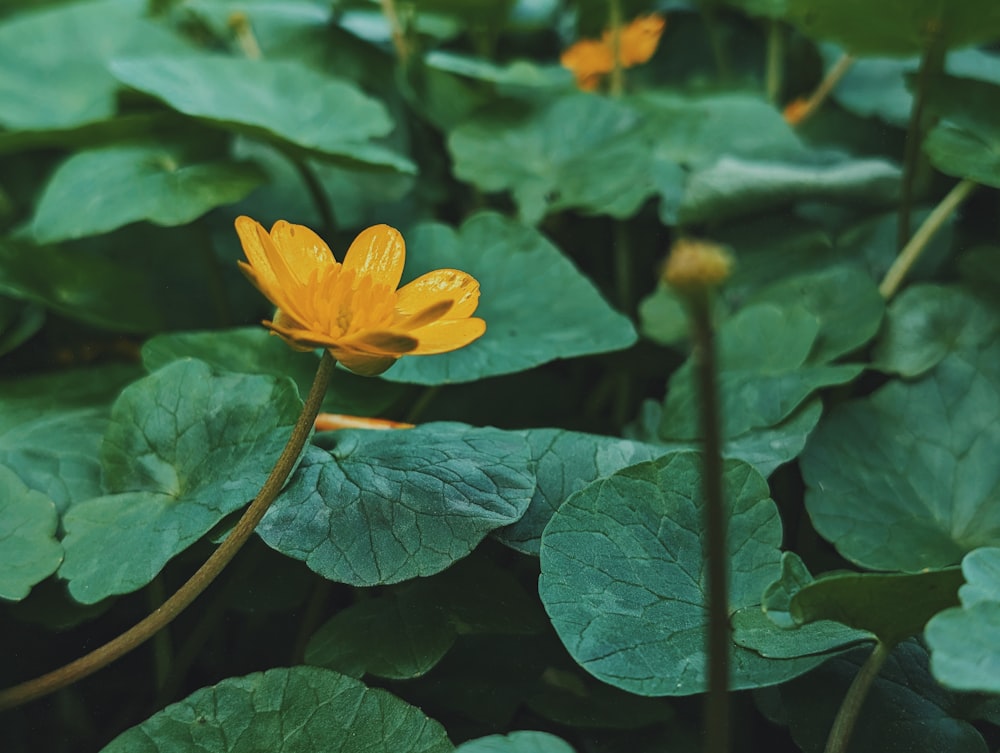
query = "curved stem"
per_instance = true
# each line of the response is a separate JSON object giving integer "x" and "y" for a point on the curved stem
{"x": 153, "y": 623}
{"x": 317, "y": 193}
{"x": 920, "y": 240}
{"x": 717, "y": 554}
{"x": 850, "y": 708}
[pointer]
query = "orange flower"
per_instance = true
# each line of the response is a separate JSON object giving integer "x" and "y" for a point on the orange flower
{"x": 797, "y": 110}
{"x": 591, "y": 59}
{"x": 336, "y": 421}
{"x": 353, "y": 309}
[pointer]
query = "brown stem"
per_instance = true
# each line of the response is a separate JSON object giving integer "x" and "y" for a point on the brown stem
{"x": 153, "y": 623}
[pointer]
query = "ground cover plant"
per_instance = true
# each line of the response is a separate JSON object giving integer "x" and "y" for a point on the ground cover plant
{"x": 499, "y": 376}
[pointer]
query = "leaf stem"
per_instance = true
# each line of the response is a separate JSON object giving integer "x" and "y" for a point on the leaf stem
{"x": 824, "y": 88}
{"x": 396, "y": 29}
{"x": 775, "y": 60}
{"x": 318, "y": 195}
{"x": 920, "y": 240}
{"x": 931, "y": 63}
{"x": 710, "y": 19}
{"x": 850, "y": 707}
{"x": 187, "y": 593}
{"x": 615, "y": 21}
{"x": 717, "y": 555}
{"x": 162, "y": 649}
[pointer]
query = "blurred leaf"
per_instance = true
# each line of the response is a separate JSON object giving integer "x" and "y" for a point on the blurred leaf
{"x": 927, "y": 322}
{"x": 297, "y": 710}
{"x": 905, "y": 479}
{"x": 18, "y": 323}
{"x": 378, "y": 507}
{"x": 905, "y": 708}
{"x": 963, "y": 640}
{"x": 55, "y": 61}
{"x": 284, "y": 99}
{"x": 185, "y": 448}
{"x": 516, "y": 742}
{"x": 621, "y": 575}
{"x": 520, "y": 271}
{"x": 966, "y": 144}
{"x": 897, "y": 27}
{"x": 98, "y": 190}
{"x": 767, "y": 8}
{"x": 582, "y": 151}
{"x": 29, "y": 550}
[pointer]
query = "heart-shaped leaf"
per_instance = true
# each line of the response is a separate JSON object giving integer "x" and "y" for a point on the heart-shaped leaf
{"x": 29, "y": 551}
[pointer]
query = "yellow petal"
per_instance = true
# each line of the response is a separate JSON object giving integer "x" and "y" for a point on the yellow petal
{"x": 639, "y": 39}
{"x": 364, "y": 364}
{"x": 445, "y": 336}
{"x": 420, "y": 302}
{"x": 258, "y": 249}
{"x": 385, "y": 342}
{"x": 378, "y": 253}
{"x": 335, "y": 421}
{"x": 301, "y": 249}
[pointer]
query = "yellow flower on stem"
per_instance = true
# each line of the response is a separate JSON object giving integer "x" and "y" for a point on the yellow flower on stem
{"x": 353, "y": 309}
{"x": 591, "y": 60}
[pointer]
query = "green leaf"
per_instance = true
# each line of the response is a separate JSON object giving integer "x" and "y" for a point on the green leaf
{"x": 98, "y": 190}
{"x": 581, "y": 151}
{"x": 621, "y": 575}
{"x": 18, "y": 323}
{"x": 185, "y": 448}
{"x": 67, "y": 47}
{"x": 905, "y": 708}
{"x": 375, "y": 507}
{"x": 297, "y": 710}
{"x": 284, "y": 99}
{"x": 253, "y": 350}
{"x": 964, "y": 640}
{"x": 52, "y": 426}
{"x": 927, "y": 322}
{"x": 538, "y": 307}
{"x": 28, "y": 547}
{"x": 763, "y": 374}
{"x": 516, "y": 742}
{"x": 966, "y": 143}
{"x": 905, "y": 479}
{"x": 565, "y": 462}
{"x": 897, "y": 27}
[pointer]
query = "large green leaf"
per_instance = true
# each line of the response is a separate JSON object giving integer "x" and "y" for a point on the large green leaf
{"x": 905, "y": 479}
{"x": 537, "y": 305}
{"x": 375, "y": 507}
{"x": 897, "y": 27}
{"x": 54, "y": 61}
{"x": 581, "y": 151}
{"x": 905, "y": 709}
{"x": 29, "y": 551}
{"x": 297, "y": 710}
{"x": 516, "y": 742}
{"x": 285, "y": 99}
{"x": 52, "y": 426}
{"x": 254, "y": 350}
{"x": 98, "y": 190}
{"x": 964, "y": 640}
{"x": 927, "y": 322}
{"x": 966, "y": 143}
{"x": 622, "y": 575}
{"x": 18, "y": 323}
{"x": 565, "y": 462}
{"x": 185, "y": 447}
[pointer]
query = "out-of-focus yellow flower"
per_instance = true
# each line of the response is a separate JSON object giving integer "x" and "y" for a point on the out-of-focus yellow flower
{"x": 353, "y": 309}
{"x": 337, "y": 421}
{"x": 797, "y": 110}
{"x": 591, "y": 60}
{"x": 695, "y": 266}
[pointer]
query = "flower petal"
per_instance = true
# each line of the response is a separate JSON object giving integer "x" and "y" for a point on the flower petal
{"x": 448, "y": 335}
{"x": 385, "y": 342}
{"x": 364, "y": 364}
{"x": 422, "y": 301}
{"x": 377, "y": 253}
{"x": 259, "y": 250}
{"x": 301, "y": 249}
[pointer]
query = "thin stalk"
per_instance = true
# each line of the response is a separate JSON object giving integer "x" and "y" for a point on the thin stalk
{"x": 931, "y": 63}
{"x": 162, "y": 649}
{"x": 247, "y": 40}
{"x": 775, "y": 60}
{"x": 208, "y": 572}
{"x": 421, "y": 403}
{"x": 850, "y": 707}
{"x": 311, "y": 618}
{"x": 396, "y": 29}
{"x": 922, "y": 238}
{"x": 716, "y": 524}
{"x": 824, "y": 88}
{"x": 710, "y": 19}
{"x": 318, "y": 195}
{"x": 615, "y": 21}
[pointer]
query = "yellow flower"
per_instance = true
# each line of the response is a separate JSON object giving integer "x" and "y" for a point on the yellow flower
{"x": 591, "y": 60}
{"x": 353, "y": 309}
{"x": 695, "y": 266}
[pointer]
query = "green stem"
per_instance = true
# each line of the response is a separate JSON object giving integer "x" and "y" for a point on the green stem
{"x": 162, "y": 648}
{"x": 208, "y": 572}
{"x": 421, "y": 403}
{"x": 710, "y": 19}
{"x": 850, "y": 707}
{"x": 318, "y": 195}
{"x": 920, "y": 240}
{"x": 775, "y": 61}
{"x": 932, "y": 63}
{"x": 311, "y": 618}
{"x": 396, "y": 29}
{"x": 717, "y": 554}
{"x": 616, "y": 21}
